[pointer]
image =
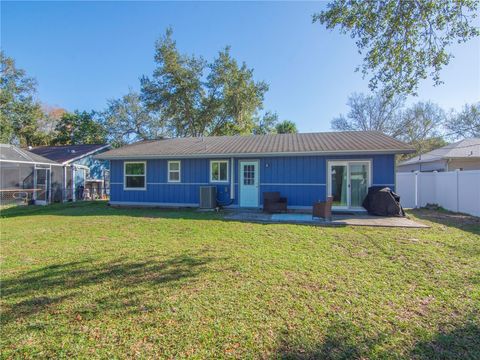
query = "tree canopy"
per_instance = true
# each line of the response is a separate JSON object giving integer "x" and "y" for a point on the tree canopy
{"x": 402, "y": 42}
{"x": 371, "y": 112}
{"x": 79, "y": 128}
{"x": 197, "y": 98}
{"x": 466, "y": 123}
{"x": 127, "y": 120}
{"x": 420, "y": 124}
{"x": 286, "y": 127}
{"x": 19, "y": 109}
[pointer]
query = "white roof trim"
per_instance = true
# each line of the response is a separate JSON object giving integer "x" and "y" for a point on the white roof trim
{"x": 30, "y": 162}
{"x": 86, "y": 154}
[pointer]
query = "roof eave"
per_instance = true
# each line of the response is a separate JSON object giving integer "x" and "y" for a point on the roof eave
{"x": 86, "y": 154}
{"x": 30, "y": 162}
{"x": 229, "y": 155}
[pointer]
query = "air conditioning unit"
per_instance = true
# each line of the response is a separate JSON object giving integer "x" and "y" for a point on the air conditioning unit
{"x": 208, "y": 197}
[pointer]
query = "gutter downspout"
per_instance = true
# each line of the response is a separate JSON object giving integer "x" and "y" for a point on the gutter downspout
{"x": 73, "y": 184}
{"x": 232, "y": 179}
{"x": 64, "y": 183}
{"x": 34, "y": 195}
{"x": 50, "y": 186}
{"x": 394, "y": 172}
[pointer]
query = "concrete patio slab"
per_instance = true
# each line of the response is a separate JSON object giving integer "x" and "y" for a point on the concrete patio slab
{"x": 337, "y": 220}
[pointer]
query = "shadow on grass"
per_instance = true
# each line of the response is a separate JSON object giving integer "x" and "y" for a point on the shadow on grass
{"x": 345, "y": 340}
{"x": 101, "y": 208}
{"x": 463, "y": 342}
{"x": 122, "y": 281}
{"x": 463, "y": 222}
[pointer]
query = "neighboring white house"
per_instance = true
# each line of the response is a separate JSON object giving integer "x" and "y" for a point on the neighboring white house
{"x": 462, "y": 155}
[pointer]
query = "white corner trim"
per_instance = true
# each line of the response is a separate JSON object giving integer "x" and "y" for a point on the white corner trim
{"x": 232, "y": 179}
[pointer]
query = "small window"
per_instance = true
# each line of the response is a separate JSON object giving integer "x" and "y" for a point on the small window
{"x": 219, "y": 170}
{"x": 174, "y": 171}
{"x": 248, "y": 175}
{"x": 135, "y": 174}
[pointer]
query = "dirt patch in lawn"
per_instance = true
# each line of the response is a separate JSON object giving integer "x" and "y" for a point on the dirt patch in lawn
{"x": 447, "y": 217}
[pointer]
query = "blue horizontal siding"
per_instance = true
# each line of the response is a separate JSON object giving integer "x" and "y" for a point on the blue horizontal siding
{"x": 302, "y": 179}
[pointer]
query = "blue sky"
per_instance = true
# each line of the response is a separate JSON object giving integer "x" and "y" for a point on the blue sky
{"x": 83, "y": 53}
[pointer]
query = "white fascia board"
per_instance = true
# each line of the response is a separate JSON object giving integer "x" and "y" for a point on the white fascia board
{"x": 86, "y": 154}
{"x": 30, "y": 162}
{"x": 80, "y": 166}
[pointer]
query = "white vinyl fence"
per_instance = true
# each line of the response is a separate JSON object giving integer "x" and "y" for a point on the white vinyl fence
{"x": 457, "y": 191}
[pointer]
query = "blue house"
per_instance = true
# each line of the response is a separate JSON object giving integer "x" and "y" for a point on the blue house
{"x": 81, "y": 175}
{"x": 304, "y": 168}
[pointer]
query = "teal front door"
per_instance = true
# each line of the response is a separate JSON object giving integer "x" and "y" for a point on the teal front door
{"x": 249, "y": 183}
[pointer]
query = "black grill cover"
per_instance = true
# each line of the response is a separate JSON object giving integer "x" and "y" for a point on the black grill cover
{"x": 382, "y": 201}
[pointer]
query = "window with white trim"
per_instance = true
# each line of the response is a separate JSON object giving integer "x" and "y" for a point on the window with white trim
{"x": 219, "y": 171}
{"x": 174, "y": 171}
{"x": 135, "y": 174}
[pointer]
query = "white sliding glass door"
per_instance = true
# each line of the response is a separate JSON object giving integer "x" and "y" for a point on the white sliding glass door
{"x": 348, "y": 183}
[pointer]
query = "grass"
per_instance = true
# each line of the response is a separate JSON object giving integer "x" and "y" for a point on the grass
{"x": 90, "y": 281}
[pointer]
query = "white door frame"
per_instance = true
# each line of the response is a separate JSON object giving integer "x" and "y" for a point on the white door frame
{"x": 257, "y": 180}
{"x": 48, "y": 177}
{"x": 347, "y": 163}
{"x": 330, "y": 164}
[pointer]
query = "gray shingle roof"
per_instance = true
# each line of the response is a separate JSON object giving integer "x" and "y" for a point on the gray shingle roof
{"x": 13, "y": 153}
{"x": 292, "y": 144}
{"x": 65, "y": 153}
{"x": 464, "y": 149}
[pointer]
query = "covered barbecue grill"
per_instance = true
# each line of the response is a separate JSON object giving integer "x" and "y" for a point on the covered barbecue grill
{"x": 382, "y": 201}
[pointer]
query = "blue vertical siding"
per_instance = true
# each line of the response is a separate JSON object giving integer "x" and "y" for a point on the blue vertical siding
{"x": 383, "y": 169}
{"x": 193, "y": 174}
{"x": 79, "y": 179}
{"x": 96, "y": 167}
{"x": 302, "y": 179}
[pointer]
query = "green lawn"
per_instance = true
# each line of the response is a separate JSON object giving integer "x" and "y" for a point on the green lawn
{"x": 90, "y": 281}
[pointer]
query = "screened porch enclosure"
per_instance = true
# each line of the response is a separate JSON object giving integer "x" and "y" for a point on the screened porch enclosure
{"x": 17, "y": 183}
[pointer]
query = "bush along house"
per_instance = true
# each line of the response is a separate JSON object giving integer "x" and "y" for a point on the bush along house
{"x": 304, "y": 168}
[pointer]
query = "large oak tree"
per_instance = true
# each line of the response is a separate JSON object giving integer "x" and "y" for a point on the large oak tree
{"x": 128, "y": 120}
{"x": 198, "y": 98}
